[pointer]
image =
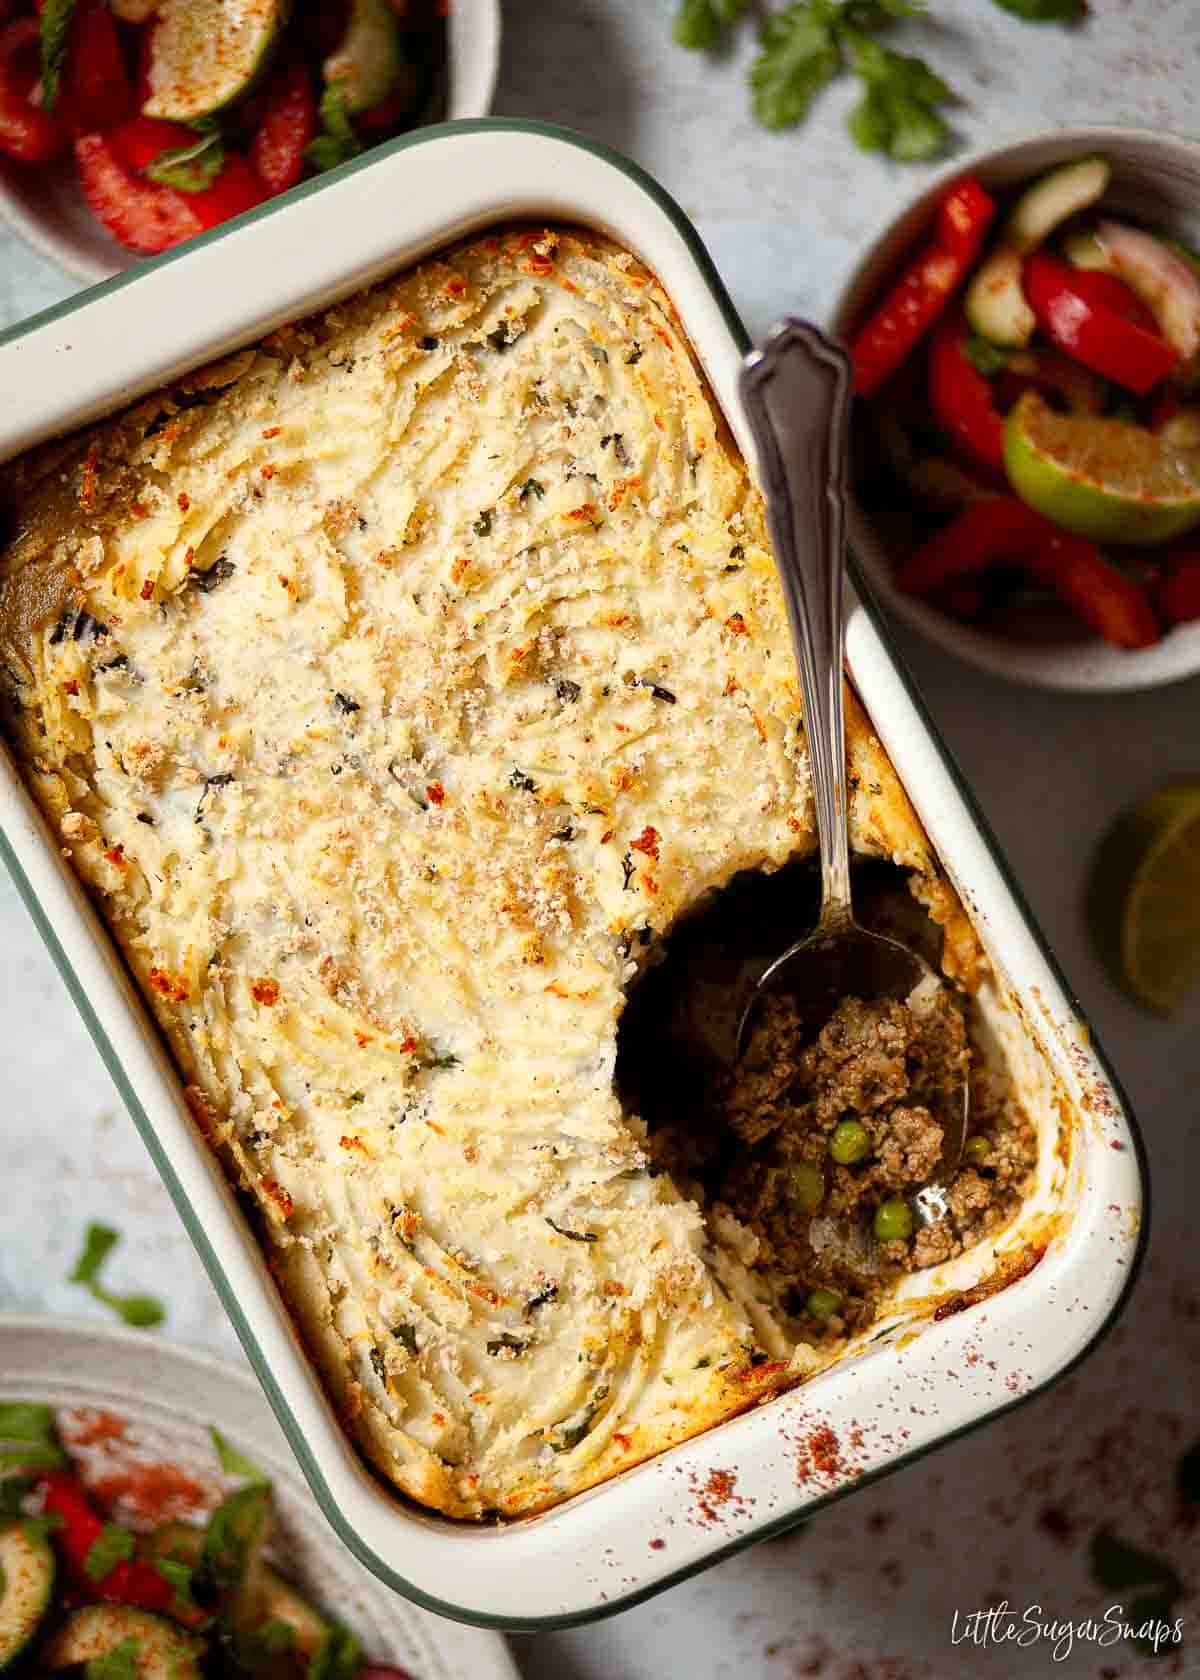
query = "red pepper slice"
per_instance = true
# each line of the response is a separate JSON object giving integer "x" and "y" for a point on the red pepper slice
{"x": 132, "y": 1581}
{"x": 26, "y": 131}
{"x": 1098, "y": 325}
{"x": 142, "y": 140}
{"x": 961, "y": 398}
{"x": 289, "y": 121}
{"x": 95, "y": 92}
{"x": 142, "y": 215}
{"x": 1177, "y": 593}
{"x": 917, "y": 299}
{"x": 1004, "y": 529}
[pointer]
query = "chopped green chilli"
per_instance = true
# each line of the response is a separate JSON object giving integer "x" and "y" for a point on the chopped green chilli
{"x": 113, "y": 1545}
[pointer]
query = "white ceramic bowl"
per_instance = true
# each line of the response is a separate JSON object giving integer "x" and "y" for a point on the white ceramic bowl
{"x": 46, "y": 207}
{"x": 168, "y": 1397}
{"x": 1156, "y": 178}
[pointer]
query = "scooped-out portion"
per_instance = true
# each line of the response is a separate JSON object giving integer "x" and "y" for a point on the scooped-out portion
{"x": 816, "y": 1144}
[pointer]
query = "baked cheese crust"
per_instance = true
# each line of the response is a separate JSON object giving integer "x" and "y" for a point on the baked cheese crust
{"x": 396, "y": 685}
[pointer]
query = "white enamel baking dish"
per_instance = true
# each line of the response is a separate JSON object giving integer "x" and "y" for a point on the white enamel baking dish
{"x": 908, "y": 1389}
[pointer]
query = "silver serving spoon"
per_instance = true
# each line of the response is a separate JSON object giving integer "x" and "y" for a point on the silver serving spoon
{"x": 796, "y": 394}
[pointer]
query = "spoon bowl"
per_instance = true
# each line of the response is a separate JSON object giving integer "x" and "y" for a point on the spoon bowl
{"x": 797, "y": 390}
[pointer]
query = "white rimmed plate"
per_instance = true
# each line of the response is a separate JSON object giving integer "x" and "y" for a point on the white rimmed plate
{"x": 169, "y": 1396}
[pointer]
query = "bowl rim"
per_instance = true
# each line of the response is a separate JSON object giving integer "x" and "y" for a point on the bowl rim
{"x": 475, "y": 34}
{"x": 1089, "y": 666}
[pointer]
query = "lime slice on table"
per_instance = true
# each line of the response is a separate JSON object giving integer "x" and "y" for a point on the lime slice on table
{"x": 1144, "y": 897}
{"x": 1105, "y": 479}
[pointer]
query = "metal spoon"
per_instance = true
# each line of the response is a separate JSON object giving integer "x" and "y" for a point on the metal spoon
{"x": 796, "y": 394}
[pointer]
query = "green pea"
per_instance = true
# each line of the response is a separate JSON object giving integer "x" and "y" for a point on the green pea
{"x": 977, "y": 1148}
{"x": 823, "y": 1303}
{"x": 806, "y": 1186}
{"x": 849, "y": 1141}
{"x": 893, "y": 1220}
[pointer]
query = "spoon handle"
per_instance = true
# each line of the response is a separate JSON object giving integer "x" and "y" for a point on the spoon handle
{"x": 796, "y": 393}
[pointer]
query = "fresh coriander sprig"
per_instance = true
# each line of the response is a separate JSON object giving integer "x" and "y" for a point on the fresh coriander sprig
{"x": 805, "y": 45}
{"x": 701, "y": 23}
{"x": 140, "y": 1311}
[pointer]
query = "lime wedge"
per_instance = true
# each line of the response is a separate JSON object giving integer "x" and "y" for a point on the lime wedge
{"x": 1105, "y": 479}
{"x": 1143, "y": 900}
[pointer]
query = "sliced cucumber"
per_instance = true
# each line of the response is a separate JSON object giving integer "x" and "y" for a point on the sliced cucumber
{"x": 995, "y": 302}
{"x": 1045, "y": 205}
{"x": 163, "y": 1651}
{"x": 366, "y": 65}
{"x": 1165, "y": 282}
{"x": 1083, "y": 250}
{"x": 26, "y": 1587}
{"x": 204, "y": 54}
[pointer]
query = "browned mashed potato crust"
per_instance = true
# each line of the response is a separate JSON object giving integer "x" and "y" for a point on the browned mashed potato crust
{"x": 396, "y": 686}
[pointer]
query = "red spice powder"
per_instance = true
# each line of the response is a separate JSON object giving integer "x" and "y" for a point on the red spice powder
{"x": 819, "y": 1456}
{"x": 95, "y": 1427}
{"x": 153, "y": 1492}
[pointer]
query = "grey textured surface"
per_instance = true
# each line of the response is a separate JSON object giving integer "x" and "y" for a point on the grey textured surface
{"x": 1007, "y": 1513}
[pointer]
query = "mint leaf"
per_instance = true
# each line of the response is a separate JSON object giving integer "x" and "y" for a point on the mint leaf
{"x": 339, "y": 1657}
{"x": 119, "y": 1663}
{"x": 113, "y": 1545}
{"x": 699, "y": 24}
{"x": 53, "y": 25}
{"x": 1043, "y": 11}
{"x": 98, "y": 1243}
{"x": 141, "y": 1312}
{"x": 24, "y": 1420}
{"x": 233, "y": 1462}
{"x": 800, "y": 55}
{"x": 337, "y": 142}
{"x": 35, "y": 1455}
{"x": 14, "y": 1490}
{"x": 189, "y": 169}
{"x": 179, "y": 1576}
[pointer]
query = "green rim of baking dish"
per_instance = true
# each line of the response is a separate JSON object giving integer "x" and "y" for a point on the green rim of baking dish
{"x": 212, "y": 1264}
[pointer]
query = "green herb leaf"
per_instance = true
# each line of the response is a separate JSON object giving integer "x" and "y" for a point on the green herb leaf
{"x": 1043, "y": 11}
{"x": 699, "y": 24}
{"x": 113, "y": 1545}
{"x": 119, "y": 1663}
{"x": 25, "y": 1420}
{"x": 1116, "y": 1564}
{"x": 339, "y": 1657}
{"x": 337, "y": 141}
{"x": 985, "y": 357}
{"x": 98, "y": 1243}
{"x": 189, "y": 169}
{"x": 178, "y": 1575}
{"x": 898, "y": 111}
{"x": 142, "y": 1312}
{"x": 34, "y": 1455}
{"x": 800, "y": 56}
{"x": 258, "y": 1649}
{"x": 235, "y": 1463}
{"x": 512, "y": 1343}
{"x": 14, "y": 1490}
{"x": 53, "y": 25}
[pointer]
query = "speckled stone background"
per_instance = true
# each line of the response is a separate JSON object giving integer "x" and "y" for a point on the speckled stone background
{"x": 867, "y": 1591}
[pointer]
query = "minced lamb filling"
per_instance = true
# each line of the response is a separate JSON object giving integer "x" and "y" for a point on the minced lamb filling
{"x": 759, "y": 1138}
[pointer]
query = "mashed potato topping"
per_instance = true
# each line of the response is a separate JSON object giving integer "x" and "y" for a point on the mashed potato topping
{"x": 396, "y": 685}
